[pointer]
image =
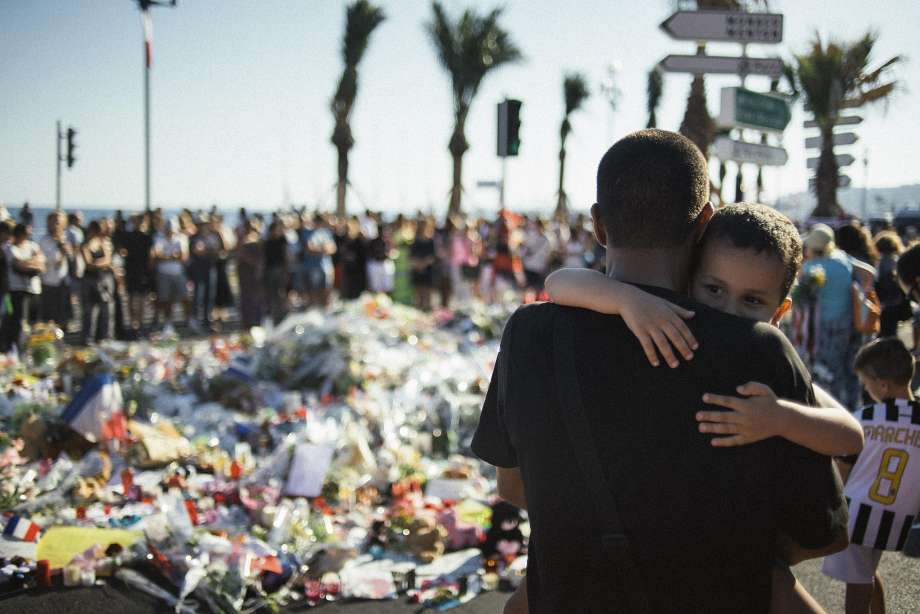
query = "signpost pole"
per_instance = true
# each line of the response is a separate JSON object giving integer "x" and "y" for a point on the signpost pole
{"x": 146, "y": 127}
{"x": 865, "y": 181}
{"x": 739, "y": 180}
{"x": 501, "y": 187}
{"x": 57, "y": 188}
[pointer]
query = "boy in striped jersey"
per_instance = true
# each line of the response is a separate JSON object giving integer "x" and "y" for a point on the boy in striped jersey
{"x": 883, "y": 481}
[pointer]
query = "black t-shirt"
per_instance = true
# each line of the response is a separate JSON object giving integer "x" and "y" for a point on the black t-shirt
{"x": 702, "y": 520}
{"x": 275, "y": 252}
{"x": 137, "y": 247}
{"x": 422, "y": 248}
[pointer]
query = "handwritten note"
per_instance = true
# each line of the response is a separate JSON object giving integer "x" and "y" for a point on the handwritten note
{"x": 308, "y": 470}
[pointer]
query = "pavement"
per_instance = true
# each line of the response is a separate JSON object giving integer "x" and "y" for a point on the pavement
{"x": 900, "y": 576}
{"x": 115, "y": 598}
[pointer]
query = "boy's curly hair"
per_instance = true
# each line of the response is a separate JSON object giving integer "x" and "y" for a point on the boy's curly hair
{"x": 762, "y": 229}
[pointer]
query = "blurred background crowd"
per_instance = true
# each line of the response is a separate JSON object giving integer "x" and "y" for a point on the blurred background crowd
{"x": 127, "y": 276}
{"x": 191, "y": 273}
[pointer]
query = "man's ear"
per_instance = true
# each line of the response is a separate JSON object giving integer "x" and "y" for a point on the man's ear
{"x": 702, "y": 220}
{"x": 781, "y": 311}
{"x": 600, "y": 233}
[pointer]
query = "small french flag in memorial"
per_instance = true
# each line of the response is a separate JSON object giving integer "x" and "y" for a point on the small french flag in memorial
{"x": 21, "y": 528}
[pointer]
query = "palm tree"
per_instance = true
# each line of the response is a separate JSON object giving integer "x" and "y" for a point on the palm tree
{"x": 468, "y": 49}
{"x": 832, "y": 77}
{"x": 698, "y": 125}
{"x": 653, "y": 90}
{"x": 361, "y": 18}
{"x": 575, "y": 92}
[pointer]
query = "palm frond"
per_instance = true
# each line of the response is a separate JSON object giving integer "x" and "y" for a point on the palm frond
{"x": 575, "y": 91}
{"x": 361, "y": 18}
{"x": 470, "y": 47}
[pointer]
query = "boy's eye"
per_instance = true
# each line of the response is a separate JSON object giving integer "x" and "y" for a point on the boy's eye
{"x": 753, "y": 300}
{"x": 713, "y": 289}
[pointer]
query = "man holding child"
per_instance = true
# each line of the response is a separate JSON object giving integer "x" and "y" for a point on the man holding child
{"x": 702, "y": 526}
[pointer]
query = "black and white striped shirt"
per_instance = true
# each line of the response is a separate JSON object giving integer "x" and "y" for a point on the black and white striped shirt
{"x": 883, "y": 489}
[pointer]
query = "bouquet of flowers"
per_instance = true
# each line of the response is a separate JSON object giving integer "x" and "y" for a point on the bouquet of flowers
{"x": 809, "y": 285}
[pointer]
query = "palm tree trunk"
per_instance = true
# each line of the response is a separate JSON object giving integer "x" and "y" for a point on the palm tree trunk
{"x": 457, "y": 147}
{"x": 562, "y": 204}
{"x": 827, "y": 176}
{"x": 457, "y": 187}
{"x": 739, "y": 184}
{"x": 343, "y": 142}
{"x": 342, "y": 186}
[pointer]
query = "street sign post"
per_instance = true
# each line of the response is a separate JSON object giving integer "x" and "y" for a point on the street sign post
{"x": 742, "y": 108}
{"x": 725, "y": 148}
{"x": 843, "y": 181}
{"x": 849, "y": 120}
{"x": 720, "y": 65}
{"x": 842, "y": 160}
{"x": 729, "y": 26}
{"x": 844, "y": 138}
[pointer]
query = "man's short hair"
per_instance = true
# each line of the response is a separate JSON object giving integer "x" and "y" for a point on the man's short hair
{"x": 20, "y": 230}
{"x": 761, "y": 229}
{"x": 651, "y": 187}
{"x": 909, "y": 264}
{"x": 886, "y": 358}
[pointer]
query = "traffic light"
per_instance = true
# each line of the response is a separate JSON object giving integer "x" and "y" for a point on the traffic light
{"x": 71, "y": 146}
{"x": 509, "y": 128}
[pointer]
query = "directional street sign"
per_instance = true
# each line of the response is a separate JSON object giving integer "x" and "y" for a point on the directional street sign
{"x": 719, "y": 65}
{"x": 736, "y": 26}
{"x": 842, "y": 160}
{"x": 842, "y": 182}
{"x": 849, "y": 120}
{"x": 753, "y": 153}
{"x": 844, "y": 138}
{"x": 743, "y": 108}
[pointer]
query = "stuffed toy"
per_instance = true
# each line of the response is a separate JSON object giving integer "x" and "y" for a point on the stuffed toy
{"x": 504, "y": 538}
{"x": 460, "y": 534}
{"x": 426, "y": 538}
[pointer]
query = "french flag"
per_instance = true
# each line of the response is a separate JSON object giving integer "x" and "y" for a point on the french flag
{"x": 147, "y": 24}
{"x": 20, "y": 528}
{"x": 95, "y": 408}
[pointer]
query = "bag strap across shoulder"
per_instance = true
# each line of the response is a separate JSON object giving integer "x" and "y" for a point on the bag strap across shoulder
{"x": 614, "y": 539}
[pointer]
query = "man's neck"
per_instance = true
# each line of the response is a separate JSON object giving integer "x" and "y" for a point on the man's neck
{"x": 903, "y": 393}
{"x": 666, "y": 269}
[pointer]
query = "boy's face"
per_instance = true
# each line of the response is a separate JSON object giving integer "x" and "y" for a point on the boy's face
{"x": 741, "y": 282}
{"x": 877, "y": 388}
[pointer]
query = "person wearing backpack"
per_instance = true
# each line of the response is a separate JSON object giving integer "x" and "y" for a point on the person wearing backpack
{"x": 895, "y": 306}
{"x": 631, "y": 508}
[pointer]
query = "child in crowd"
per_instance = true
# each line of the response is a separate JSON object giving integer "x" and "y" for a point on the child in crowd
{"x": 882, "y": 484}
{"x": 748, "y": 261}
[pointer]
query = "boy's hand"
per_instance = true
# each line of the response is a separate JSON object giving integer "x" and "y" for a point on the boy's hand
{"x": 754, "y": 418}
{"x": 658, "y": 323}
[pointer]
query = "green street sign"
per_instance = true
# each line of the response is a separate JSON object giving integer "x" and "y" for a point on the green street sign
{"x": 743, "y": 108}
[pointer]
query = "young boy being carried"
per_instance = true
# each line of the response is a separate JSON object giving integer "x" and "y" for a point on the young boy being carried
{"x": 883, "y": 483}
{"x": 749, "y": 258}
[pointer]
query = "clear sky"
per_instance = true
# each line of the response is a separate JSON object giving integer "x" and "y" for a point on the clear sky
{"x": 241, "y": 95}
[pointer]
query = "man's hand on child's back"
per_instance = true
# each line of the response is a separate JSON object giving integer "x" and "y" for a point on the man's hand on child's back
{"x": 758, "y": 414}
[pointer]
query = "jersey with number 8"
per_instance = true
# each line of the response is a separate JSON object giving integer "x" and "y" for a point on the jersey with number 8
{"x": 883, "y": 488}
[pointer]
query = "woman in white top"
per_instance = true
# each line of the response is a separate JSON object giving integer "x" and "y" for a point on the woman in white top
{"x": 25, "y": 264}
{"x": 574, "y": 251}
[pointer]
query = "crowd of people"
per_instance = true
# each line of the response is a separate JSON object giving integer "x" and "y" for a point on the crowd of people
{"x": 126, "y": 276}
